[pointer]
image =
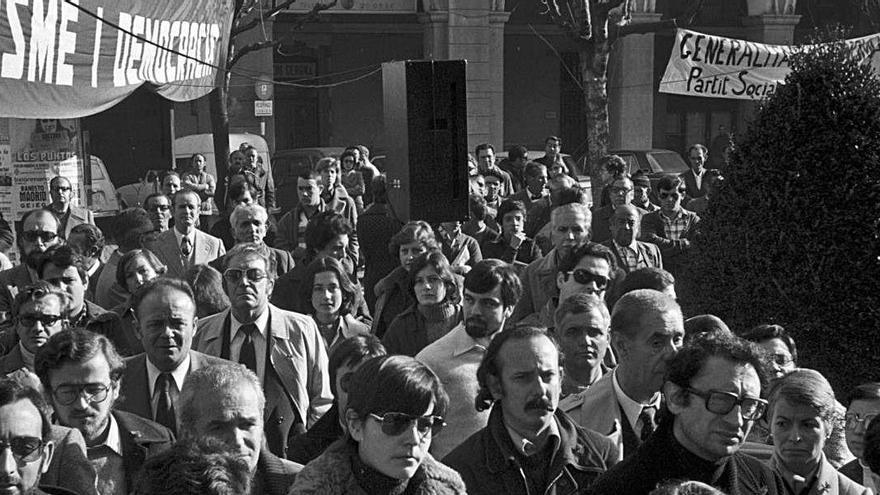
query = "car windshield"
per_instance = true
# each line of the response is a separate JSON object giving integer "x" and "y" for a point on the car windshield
{"x": 667, "y": 161}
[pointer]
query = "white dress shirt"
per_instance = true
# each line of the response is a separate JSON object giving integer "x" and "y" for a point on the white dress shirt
{"x": 259, "y": 339}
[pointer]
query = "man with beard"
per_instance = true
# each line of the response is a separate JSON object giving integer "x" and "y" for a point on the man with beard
{"x": 491, "y": 290}
{"x": 80, "y": 370}
{"x": 39, "y": 232}
{"x": 647, "y": 329}
{"x": 528, "y": 445}
{"x": 570, "y": 230}
{"x": 69, "y": 216}
{"x": 25, "y": 432}
{"x": 165, "y": 316}
{"x": 185, "y": 245}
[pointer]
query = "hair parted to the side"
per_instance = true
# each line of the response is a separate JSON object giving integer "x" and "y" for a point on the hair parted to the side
{"x": 491, "y": 273}
{"x": 133, "y": 255}
{"x": 395, "y": 384}
{"x": 437, "y": 261}
{"x": 211, "y": 380}
{"x": 352, "y": 352}
{"x": 75, "y": 346}
{"x": 804, "y": 387}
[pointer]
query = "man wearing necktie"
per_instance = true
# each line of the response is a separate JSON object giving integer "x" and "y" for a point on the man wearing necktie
{"x": 284, "y": 349}
{"x": 165, "y": 317}
{"x": 185, "y": 245}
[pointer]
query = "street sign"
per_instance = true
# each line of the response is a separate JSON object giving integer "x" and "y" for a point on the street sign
{"x": 263, "y": 88}
{"x": 262, "y": 108}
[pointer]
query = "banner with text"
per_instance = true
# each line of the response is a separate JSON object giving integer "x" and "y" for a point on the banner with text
{"x": 72, "y": 58}
{"x": 718, "y": 67}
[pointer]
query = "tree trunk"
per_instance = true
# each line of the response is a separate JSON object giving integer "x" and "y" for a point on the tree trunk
{"x": 593, "y": 65}
{"x": 219, "y": 105}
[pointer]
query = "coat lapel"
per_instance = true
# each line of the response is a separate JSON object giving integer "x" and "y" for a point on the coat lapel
{"x": 139, "y": 403}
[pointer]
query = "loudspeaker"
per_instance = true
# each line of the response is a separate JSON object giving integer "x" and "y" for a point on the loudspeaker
{"x": 426, "y": 135}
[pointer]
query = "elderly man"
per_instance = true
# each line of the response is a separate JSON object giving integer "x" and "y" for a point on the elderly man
{"x": 647, "y": 329}
{"x": 165, "y": 321}
{"x": 39, "y": 232}
{"x": 491, "y": 290}
{"x": 25, "y": 432}
{"x": 159, "y": 207}
{"x": 283, "y": 348}
{"x": 713, "y": 394}
{"x": 528, "y": 445}
{"x": 39, "y": 311}
{"x": 69, "y": 216}
{"x": 671, "y": 227}
{"x": 621, "y": 193}
{"x": 631, "y": 253}
{"x": 226, "y": 402}
{"x": 694, "y": 178}
{"x": 582, "y": 324}
{"x": 570, "y": 230}
{"x": 250, "y": 223}
{"x": 185, "y": 245}
{"x": 80, "y": 370}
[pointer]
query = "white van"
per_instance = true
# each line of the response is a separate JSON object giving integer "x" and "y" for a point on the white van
{"x": 186, "y": 146}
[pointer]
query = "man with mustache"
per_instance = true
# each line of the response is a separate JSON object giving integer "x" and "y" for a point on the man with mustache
{"x": 647, "y": 329}
{"x": 491, "y": 290}
{"x": 528, "y": 445}
{"x": 713, "y": 396}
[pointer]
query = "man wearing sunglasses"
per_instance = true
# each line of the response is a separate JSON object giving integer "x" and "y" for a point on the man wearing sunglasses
{"x": 159, "y": 207}
{"x": 528, "y": 445}
{"x": 283, "y": 348}
{"x": 39, "y": 312}
{"x": 39, "y": 232}
{"x": 671, "y": 227}
{"x": 69, "y": 216}
{"x": 80, "y": 370}
{"x": 647, "y": 329}
{"x": 25, "y": 445}
{"x": 713, "y": 396}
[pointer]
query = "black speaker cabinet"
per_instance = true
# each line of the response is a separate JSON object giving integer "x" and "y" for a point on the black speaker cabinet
{"x": 426, "y": 136}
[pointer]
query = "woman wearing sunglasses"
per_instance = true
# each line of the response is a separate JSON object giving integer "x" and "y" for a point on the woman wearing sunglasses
{"x": 395, "y": 406}
{"x": 802, "y": 411}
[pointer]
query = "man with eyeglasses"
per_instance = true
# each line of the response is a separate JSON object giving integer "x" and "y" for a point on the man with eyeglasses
{"x": 225, "y": 402}
{"x": 528, "y": 445}
{"x": 647, "y": 329}
{"x": 671, "y": 227}
{"x": 713, "y": 396}
{"x": 39, "y": 312}
{"x": 185, "y": 245}
{"x": 621, "y": 193}
{"x": 159, "y": 207}
{"x": 26, "y": 447}
{"x": 69, "y": 216}
{"x": 80, "y": 371}
{"x": 864, "y": 406}
{"x": 39, "y": 232}
{"x": 283, "y": 348}
{"x": 631, "y": 254}
{"x": 165, "y": 321}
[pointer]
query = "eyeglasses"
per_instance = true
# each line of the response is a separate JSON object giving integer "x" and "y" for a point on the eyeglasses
{"x": 156, "y": 208}
{"x": 584, "y": 277}
{"x": 665, "y": 195}
{"x": 61, "y": 188}
{"x": 621, "y": 190}
{"x": 24, "y": 449}
{"x": 33, "y": 235}
{"x": 234, "y": 275}
{"x": 782, "y": 359}
{"x": 853, "y": 420}
{"x": 31, "y": 320}
{"x": 718, "y": 402}
{"x": 395, "y": 423}
{"x": 92, "y": 392}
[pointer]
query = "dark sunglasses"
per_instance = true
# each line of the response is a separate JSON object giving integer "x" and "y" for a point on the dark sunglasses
{"x": 395, "y": 423}
{"x": 584, "y": 277}
{"x": 33, "y": 235}
{"x": 47, "y": 320}
{"x": 234, "y": 275}
{"x": 24, "y": 449}
{"x": 61, "y": 188}
{"x": 718, "y": 402}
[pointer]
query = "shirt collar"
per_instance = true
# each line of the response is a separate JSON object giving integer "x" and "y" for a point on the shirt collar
{"x": 113, "y": 440}
{"x": 463, "y": 343}
{"x": 261, "y": 322}
{"x": 179, "y": 236}
{"x": 525, "y": 446}
{"x": 675, "y": 215}
{"x": 631, "y": 246}
{"x": 630, "y": 407}
{"x": 179, "y": 374}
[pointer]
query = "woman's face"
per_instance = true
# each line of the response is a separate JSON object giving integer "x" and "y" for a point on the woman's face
{"x": 799, "y": 434}
{"x": 326, "y": 294}
{"x": 397, "y": 456}
{"x": 429, "y": 287}
{"x": 328, "y": 177}
{"x": 408, "y": 252}
{"x": 138, "y": 272}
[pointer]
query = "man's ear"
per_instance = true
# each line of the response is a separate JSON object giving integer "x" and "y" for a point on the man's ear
{"x": 495, "y": 386}
{"x": 620, "y": 344}
{"x": 508, "y": 310}
{"x": 48, "y": 452}
{"x": 676, "y": 397}
{"x": 560, "y": 279}
{"x": 355, "y": 425}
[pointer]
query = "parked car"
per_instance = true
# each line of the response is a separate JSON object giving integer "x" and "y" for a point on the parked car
{"x": 290, "y": 164}
{"x": 104, "y": 201}
{"x": 655, "y": 163}
{"x": 131, "y": 195}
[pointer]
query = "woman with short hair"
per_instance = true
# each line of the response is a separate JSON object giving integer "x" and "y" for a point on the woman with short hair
{"x": 395, "y": 407}
{"x": 135, "y": 268}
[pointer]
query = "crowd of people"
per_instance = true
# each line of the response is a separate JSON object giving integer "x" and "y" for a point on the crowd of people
{"x": 536, "y": 347}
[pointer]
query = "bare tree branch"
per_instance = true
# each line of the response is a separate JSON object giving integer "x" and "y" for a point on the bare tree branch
{"x": 255, "y": 21}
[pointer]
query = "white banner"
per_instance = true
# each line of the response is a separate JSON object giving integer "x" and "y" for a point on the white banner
{"x": 718, "y": 67}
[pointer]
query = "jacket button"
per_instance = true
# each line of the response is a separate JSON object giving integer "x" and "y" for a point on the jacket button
{"x": 280, "y": 419}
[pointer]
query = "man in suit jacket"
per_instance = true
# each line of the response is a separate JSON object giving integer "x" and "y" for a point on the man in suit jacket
{"x": 69, "y": 215}
{"x": 535, "y": 175}
{"x": 39, "y": 232}
{"x": 226, "y": 402}
{"x": 631, "y": 254}
{"x": 84, "y": 390}
{"x": 185, "y": 245}
{"x": 647, "y": 329}
{"x": 165, "y": 316}
{"x": 283, "y": 348}
{"x": 693, "y": 178}
{"x": 250, "y": 222}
